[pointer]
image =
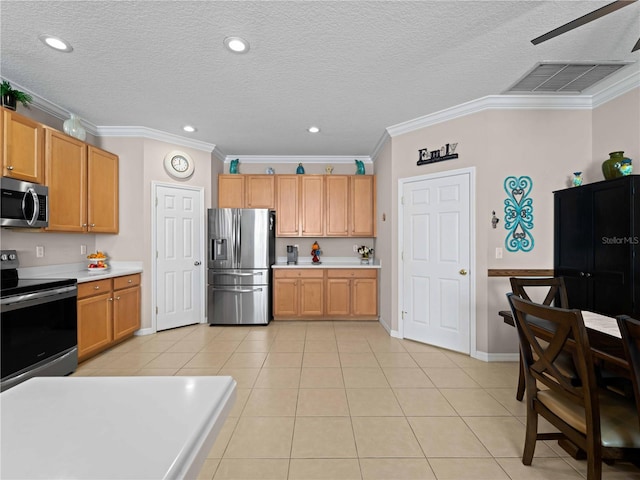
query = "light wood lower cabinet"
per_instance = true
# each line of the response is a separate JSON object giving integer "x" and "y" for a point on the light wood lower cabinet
{"x": 298, "y": 293}
{"x": 325, "y": 294}
{"x": 108, "y": 312}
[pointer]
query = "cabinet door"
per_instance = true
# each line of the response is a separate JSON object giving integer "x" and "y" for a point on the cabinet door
{"x": 612, "y": 248}
{"x": 23, "y": 145}
{"x": 260, "y": 191}
{"x": 312, "y": 205}
{"x": 337, "y": 206}
{"x": 231, "y": 191}
{"x": 66, "y": 177}
{"x": 287, "y": 198}
{"x": 311, "y": 297}
{"x": 285, "y": 297}
{"x": 126, "y": 312}
{"x": 102, "y": 188}
{"x": 364, "y": 297}
{"x": 363, "y": 206}
{"x": 338, "y": 297}
{"x": 94, "y": 324}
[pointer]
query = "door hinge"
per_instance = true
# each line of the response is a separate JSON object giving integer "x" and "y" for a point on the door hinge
{"x": 402, "y": 200}
{"x": 156, "y": 310}
{"x": 402, "y": 255}
{"x": 156, "y": 254}
{"x": 156, "y": 201}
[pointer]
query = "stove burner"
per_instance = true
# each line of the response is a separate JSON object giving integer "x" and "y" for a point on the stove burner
{"x": 11, "y": 284}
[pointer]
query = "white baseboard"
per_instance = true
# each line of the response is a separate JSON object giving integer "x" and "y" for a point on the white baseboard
{"x": 392, "y": 333}
{"x": 144, "y": 331}
{"x": 497, "y": 357}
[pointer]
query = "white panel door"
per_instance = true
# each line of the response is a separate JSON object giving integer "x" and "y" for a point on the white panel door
{"x": 179, "y": 243}
{"x": 436, "y": 255}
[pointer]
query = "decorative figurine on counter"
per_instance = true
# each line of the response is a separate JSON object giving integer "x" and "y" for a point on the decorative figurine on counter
{"x": 300, "y": 169}
{"x": 233, "y": 167}
{"x": 315, "y": 253}
{"x": 359, "y": 167}
{"x": 577, "y": 179}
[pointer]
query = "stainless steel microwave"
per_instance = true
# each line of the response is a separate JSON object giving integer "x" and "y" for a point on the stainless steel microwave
{"x": 23, "y": 204}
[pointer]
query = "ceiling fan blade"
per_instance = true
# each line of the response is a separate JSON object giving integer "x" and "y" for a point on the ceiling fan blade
{"x": 578, "y": 22}
{"x": 636, "y": 46}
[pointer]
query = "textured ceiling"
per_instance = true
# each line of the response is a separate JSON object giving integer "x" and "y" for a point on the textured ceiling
{"x": 351, "y": 67}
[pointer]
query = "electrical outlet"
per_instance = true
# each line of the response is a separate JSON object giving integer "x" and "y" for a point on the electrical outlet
{"x": 498, "y": 252}
{"x": 83, "y": 249}
{"x": 39, "y": 251}
{"x": 355, "y": 248}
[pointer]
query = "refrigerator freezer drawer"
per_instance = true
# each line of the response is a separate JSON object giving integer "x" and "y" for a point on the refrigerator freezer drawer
{"x": 237, "y": 277}
{"x": 247, "y": 305}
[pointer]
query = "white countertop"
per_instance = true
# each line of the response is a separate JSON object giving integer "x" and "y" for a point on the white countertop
{"x": 80, "y": 271}
{"x": 112, "y": 427}
{"x": 327, "y": 262}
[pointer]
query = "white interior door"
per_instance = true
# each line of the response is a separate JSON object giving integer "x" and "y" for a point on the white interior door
{"x": 436, "y": 261}
{"x": 179, "y": 260}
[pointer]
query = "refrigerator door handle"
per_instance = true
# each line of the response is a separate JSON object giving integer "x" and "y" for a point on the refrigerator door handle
{"x": 234, "y": 274}
{"x": 237, "y": 290}
{"x": 219, "y": 249}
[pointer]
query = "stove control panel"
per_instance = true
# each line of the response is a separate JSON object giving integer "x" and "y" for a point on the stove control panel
{"x": 8, "y": 259}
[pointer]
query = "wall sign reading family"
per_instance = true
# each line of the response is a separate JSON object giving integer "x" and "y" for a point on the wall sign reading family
{"x": 446, "y": 152}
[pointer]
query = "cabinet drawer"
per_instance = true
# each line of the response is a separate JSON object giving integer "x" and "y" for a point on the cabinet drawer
{"x": 298, "y": 273}
{"x": 89, "y": 289}
{"x": 352, "y": 273}
{"x": 126, "y": 281}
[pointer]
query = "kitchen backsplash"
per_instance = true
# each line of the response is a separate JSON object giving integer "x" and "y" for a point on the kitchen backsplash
{"x": 332, "y": 247}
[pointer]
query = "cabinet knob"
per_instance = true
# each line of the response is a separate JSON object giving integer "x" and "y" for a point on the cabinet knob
{"x": 96, "y": 287}
{"x": 93, "y": 225}
{"x": 111, "y": 299}
{"x": 582, "y": 274}
{"x": 117, "y": 298}
{"x": 129, "y": 281}
{"x": 84, "y": 224}
{"x": 587, "y": 274}
{"x": 10, "y": 167}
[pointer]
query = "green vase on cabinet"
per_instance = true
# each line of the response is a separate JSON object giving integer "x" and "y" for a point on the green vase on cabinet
{"x": 617, "y": 165}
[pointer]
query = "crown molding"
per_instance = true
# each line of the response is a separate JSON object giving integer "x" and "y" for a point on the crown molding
{"x": 294, "y": 159}
{"x": 493, "y": 102}
{"x": 218, "y": 155}
{"x": 619, "y": 88}
{"x": 384, "y": 138}
{"x": 150, "y": 133}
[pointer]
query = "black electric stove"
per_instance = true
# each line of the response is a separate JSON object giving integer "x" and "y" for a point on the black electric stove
{"x": 38, "y": 319}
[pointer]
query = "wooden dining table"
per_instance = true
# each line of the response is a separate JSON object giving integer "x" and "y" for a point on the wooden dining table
{"x": 604, "y": 338}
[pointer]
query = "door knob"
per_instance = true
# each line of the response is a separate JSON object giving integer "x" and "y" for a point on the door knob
{"x": 462, "y": 272}
{"x": 196, "y": 263}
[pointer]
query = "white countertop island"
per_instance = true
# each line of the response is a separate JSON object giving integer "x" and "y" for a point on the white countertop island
{"x": 112, "y": 427}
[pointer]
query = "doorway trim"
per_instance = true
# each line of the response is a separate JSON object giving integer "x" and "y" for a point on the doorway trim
{"x": 471, "y": 171}
{"x": 154, "y": 248}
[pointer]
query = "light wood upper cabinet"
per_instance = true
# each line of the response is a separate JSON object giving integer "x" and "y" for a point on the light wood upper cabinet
{"x": 66, "y": 176}
{"x": 362, "y": 221}
{"x": 22, "y": 148}
{"x": 102, "y": 181}
{"x": 337, "y": 205}
{"x": 312, "y": 205}
{"x": 83, "y": 185}
{"x": 246, "y": 191}
{"x": 260, "y": 191}
{"x": 230, "y": 191}
{"x": 287, "y": 200}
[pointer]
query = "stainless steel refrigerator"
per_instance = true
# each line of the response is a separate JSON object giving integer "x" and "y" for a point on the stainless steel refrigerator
{"x": 241, "y": 250}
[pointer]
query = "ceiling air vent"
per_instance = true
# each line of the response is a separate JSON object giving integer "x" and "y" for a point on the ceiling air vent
{"x": 564, "y": 77}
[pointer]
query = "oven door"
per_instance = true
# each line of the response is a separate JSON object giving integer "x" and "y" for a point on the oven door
{"x": 37, "y": 328}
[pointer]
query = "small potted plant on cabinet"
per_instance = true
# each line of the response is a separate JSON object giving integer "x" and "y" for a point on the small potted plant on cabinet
{"x": 10, "y": 97}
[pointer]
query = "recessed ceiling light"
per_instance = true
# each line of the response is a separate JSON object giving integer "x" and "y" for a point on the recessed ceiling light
{"x": 236, "y": 44}
{"x": 313, "y": 129}
{"x": 56, "y": 43}
{"x": 189, "y": 128}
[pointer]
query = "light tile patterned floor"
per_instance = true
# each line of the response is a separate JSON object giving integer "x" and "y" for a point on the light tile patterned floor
{"x": 344, "y": 400}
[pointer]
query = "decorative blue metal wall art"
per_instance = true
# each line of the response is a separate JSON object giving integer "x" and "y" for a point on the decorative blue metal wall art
{"x": 518, "y": 214}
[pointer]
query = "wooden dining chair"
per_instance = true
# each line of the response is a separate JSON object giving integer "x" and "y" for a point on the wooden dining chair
{"x": 605, "y": 425}
{"x": 552, "y": 291}
{"x": 630, "y": 331}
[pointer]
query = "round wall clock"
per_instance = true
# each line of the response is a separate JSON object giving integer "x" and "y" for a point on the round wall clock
{"x": 179, "y": 164}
